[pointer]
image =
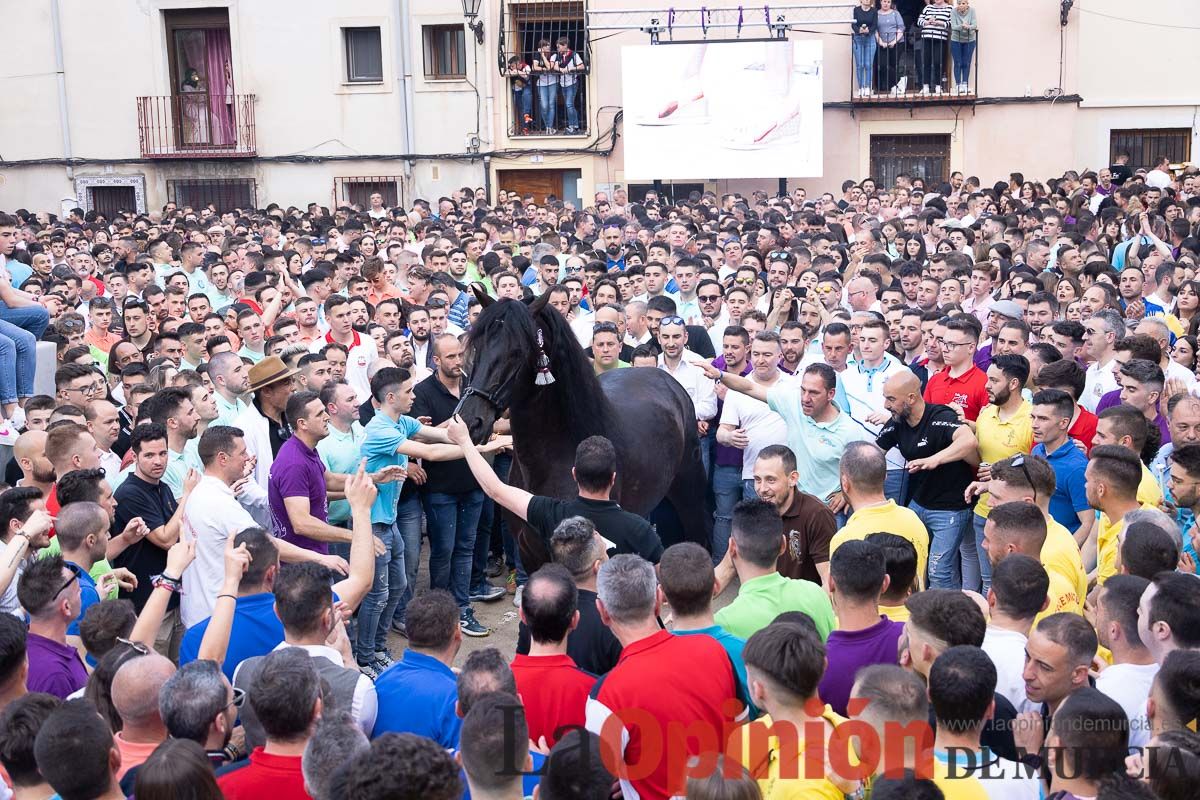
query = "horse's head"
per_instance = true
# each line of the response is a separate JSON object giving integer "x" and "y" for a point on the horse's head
{"x": 502, "y": 352}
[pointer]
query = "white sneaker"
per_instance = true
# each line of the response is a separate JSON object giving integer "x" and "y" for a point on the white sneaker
{"x": 954, "y": 89}
{"x": 902, "y": 86}
{"x": 937, "y": 89}
{"x": 895, "y": 91}
{"x": 924, "y": 91}
{"x": 8, "y": 432}
{"x": 18, "y": 418}
{"x": 867, "y": 92}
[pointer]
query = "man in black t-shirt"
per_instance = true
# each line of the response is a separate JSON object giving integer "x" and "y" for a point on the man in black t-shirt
{"x": 144, "y": 494}
{"x": 942, "y": 454}
{"x": 595, "y": 473}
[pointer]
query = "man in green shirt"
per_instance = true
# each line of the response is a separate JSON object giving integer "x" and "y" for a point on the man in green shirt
{"x": 755, "y": 545}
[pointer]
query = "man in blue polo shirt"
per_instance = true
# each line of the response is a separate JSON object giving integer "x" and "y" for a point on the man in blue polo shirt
{"x": 82, "y": 532}
{"x": 419, "y": 694}
{"x": 1050, "y": 418}
{"x": 256, "y": 630}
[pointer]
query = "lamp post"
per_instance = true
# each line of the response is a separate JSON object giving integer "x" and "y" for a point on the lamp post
{"x": 471, "y": 12}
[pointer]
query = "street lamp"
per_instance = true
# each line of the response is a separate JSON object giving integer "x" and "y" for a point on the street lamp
{"x": 471, "y": 12}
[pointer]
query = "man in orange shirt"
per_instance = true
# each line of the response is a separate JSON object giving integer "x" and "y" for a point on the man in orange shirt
{"x": 376, "y": 271}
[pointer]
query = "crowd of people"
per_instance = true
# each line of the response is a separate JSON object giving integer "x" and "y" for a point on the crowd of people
{"x": 952, "y": 441}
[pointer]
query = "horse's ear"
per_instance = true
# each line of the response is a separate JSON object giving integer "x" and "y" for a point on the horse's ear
{"x": 481, "y": 295}
{"x": 539, "y": 304}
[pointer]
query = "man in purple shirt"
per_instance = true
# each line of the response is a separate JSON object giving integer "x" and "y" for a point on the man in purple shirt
{"x": 857, "y": 577}
{"x": 49, "y": 591}
{"x": 299, "y": 480}
{"x": 727, "y": 464}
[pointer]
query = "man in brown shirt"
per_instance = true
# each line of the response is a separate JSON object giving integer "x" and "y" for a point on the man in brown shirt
{"x": 808, "y": 523}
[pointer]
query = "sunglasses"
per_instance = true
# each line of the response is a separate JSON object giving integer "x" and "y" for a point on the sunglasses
{"x": 1019, "y": 461}
{"x": 708, "y": 298}
{"x": 74, "y": 577}
{"x": 672, "y": 321}
{"x": 137, "y": 647}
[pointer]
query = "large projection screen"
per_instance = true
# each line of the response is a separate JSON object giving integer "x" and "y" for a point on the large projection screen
{"x": 722, "y": 110}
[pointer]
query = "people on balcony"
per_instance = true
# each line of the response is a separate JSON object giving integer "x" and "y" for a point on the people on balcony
{"x": 864, "y": 29}
{"x": 547, "y": 85}
{"x": 934, "y": 23}
{"x": 889, "y": 34}
{"x": 964, "y": 32}
{"x": 569, "y": 65}
{"x": 522, "y": 92}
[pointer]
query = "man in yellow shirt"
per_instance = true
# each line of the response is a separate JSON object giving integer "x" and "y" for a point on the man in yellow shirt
{"x": 1126, "y": 426}
{"x": 890, "y": 695}
{"x": 1032, "y": 480}
{"x": 1021, "y": 528}
{"x": 1113, "y": 474}
{"x": 784, "y": 663}
{"x": 863, "y": 469}
{"x": 1004, "y": 428}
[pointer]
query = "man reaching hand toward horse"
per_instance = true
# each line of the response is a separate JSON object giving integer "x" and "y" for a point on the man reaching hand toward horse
{"x": 595, "y": 474}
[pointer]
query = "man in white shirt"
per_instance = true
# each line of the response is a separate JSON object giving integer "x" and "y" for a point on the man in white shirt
{"x": 749, "y": 424}
{"x": 860, "y": 394}
{"x": 362, "y": 350}
{"x": 104, "y": 423}
{"x": 1133, "y": 669}
{"x": 1018, "y": 594}
{"x": 216, "y": 515}
{"x": 1160, "y": 176}
{"x": 1102, "y": 331}
{"x": 672, "y": 337}
{"x": 1157, "y": 329}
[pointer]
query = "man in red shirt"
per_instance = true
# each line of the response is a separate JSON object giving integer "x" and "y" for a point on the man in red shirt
{"x": 287, "y": 699}
{"x": 961, "y": 385}
{"x": 1068, "y": 376}
{"x": 553, "y": 689}
{"x": 673, "y": 695}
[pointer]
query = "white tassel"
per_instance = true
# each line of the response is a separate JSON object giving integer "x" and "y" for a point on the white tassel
{"x": 544, "y": 376}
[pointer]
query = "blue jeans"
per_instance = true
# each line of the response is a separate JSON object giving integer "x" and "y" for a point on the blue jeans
{"x": 946, "y": 529}
{"x": 985, "y": 564}
{"x": 408, "y": 522}
{"x": 547, "y": 104}
{"x": 748, "y": 492}
{"x": 895, "y": 485}
{"x": 569, "y": 93}
{"x": 375, "y": 613}
{"x": 963, "y": 53}
{"x": 21, "y": 327}
{"x": 972, "y": 555}
{"x": 522, "y": 107}
{"x": 728, "y": 490}
{"x": 451, "y": 520}
{"x": 864, "y": 58}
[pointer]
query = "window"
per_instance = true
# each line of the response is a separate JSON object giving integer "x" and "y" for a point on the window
{"x": 925, "y": 156}
{"x": 1146, "y": 145}
{"x": 224, "y": 193}
{"x": 525, "y": 23}
{"x": 445, "y": 51}
{"x": 358, "y": 191}
{"x": 109, "y": 200}
{"x": 364, "y": 55}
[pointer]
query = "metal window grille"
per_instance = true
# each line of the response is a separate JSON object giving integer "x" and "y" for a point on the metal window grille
{"x": 109, "y": 200}
{"x": 358, "y": 190}
{"x": 1147, "y": 145}
{"x": 924, "y": 156}
{"x": 364, "y": 55}
{"x": 224, "y": 193}
{"x": 523, "y": 24}
{"x": 445, "y": 50}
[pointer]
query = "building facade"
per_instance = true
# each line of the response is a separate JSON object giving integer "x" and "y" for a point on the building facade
{"x": 121, "y": 105}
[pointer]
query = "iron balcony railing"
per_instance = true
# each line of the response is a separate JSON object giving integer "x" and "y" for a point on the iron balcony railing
{"x": 197, "y": 125}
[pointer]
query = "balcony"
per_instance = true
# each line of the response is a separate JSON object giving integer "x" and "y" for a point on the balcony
{"x": 197, "y": 125}
{"x": 896, "y": 76}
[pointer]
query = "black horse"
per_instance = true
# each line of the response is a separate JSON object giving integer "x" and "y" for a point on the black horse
{"x": 646, "y": 414}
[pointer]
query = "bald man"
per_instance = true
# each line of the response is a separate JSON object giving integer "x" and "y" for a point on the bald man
{"x": 29, "y": 453}
{"x": 135, "y": 691}
{"x": 942, "y": 454}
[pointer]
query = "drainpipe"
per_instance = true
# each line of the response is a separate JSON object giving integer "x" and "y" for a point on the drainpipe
{"x": 64, "y": 120}
{"x": 484, "y": 51}
{"x": 408, "y": 135}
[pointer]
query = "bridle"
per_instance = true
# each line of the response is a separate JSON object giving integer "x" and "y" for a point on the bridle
{"x": 483, "y": 394}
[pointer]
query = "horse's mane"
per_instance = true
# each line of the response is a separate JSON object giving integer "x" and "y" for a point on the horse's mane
{"x": 575, "y": 394}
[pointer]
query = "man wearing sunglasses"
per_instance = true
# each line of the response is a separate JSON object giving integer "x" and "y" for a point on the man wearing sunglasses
{"x": 50, "y": 594}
